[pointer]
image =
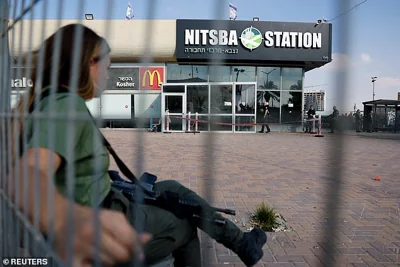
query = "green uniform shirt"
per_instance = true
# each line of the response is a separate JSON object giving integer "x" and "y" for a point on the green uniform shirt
{"x": 75, "y": 138}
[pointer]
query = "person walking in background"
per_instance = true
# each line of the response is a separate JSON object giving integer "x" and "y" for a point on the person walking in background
{"x": 310, "y": 116}
{"x": 334, "y": 117}
{"x": 370, "y": 121}
{"x": 265, "y": 118}
{"x": 358, "y": 120}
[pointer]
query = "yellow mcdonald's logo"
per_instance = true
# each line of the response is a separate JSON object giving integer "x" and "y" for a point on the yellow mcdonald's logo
{"x": 151, "y": 77}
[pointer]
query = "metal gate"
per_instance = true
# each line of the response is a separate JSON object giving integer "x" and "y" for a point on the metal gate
{"x": 20, "y": 233}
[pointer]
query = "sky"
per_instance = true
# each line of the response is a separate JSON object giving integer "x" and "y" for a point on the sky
{"x": 373, "y": 27}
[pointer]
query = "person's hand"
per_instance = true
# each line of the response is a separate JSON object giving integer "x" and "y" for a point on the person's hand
{"x": 118, "y": 241}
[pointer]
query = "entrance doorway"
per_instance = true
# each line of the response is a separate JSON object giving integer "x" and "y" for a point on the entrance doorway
{"x": 175, "y": 104}
{"x": 245, "y": 101}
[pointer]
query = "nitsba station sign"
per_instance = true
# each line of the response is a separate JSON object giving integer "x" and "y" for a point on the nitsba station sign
{"x": 253, "y": 41}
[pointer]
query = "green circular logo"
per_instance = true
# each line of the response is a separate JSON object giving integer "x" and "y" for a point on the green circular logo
{"x": 251, "y": 38}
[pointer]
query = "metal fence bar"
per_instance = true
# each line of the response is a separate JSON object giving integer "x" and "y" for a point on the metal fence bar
{"x": 338, "y": 143}
{"x": 139, "y": 162}
{"x": 208, "y": 178}
{"x": 52, "y": 105}
{"x": 96, "y": 219}
{"x": 4, "y": 108}
{"x": 7, "y": 219}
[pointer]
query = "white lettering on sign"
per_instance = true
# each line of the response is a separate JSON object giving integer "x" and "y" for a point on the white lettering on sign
{"x": 21, "y": 83}
{"x": 125, "y": 82}
{"x": 211, "y": 37}
{"x": 293, "y": 39}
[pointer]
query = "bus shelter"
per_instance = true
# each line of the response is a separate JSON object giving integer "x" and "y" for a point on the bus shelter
{"x": 385, "y": 115}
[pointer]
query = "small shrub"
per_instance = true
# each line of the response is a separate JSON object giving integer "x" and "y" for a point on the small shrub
{"x": 264, "y": 217}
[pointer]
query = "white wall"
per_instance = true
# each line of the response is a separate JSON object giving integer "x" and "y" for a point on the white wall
{"x": 94, "y": 107}
{"x": 115, "y": 106}
{"x": 126, "y": 37}
{"x": 147, "y": 106}
{"x": 14, "y": 99}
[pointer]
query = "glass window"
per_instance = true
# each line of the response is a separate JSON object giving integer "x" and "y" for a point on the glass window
{"x": 273, "y": 98}
{"x": 176, "y": 124}
{"x": 292, "y": 79}
{"x": 197, "y": 98}
{"x": 173, "y": 88}
{"x": 202, "y": 125}
{"x": 186, "y": 73}
{"x": 291, "y": 107}
{"x": 148, "y": 105}
{"x": 245, "y": 98}
{"x": 226, "y": 126}
{"x": 220, "y": 73}
{"x": 244, "y": 74}
{"x": 173, "y": 103}
{"x": 221, "y": 99}
{"x": 244, "y": 120}
{"x": 269, "y": 78}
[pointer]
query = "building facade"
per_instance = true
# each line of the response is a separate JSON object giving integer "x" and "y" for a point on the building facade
{"x": 317, "y": 98}
{"x": 220, "y": 70}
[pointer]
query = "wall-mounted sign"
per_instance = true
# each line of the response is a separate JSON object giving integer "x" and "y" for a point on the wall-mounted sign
{"x": 19, "y": 79}
{"x": 253, "y": 41}
{"x": 123, "y": 78}
{"x": 21, "y": 83}
{"x": 151, "y": 78}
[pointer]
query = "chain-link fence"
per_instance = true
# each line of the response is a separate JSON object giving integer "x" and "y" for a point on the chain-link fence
{"x": 28, "y": 213}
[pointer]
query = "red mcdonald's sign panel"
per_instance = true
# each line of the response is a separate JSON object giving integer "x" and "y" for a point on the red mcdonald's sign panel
{"x": 150, "y": 78}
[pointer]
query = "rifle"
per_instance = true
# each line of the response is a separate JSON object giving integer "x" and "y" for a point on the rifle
{"x": 180, "y": 206}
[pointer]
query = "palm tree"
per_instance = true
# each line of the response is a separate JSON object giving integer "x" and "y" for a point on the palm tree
{"x": 270, "y": 85}
{"x": 267, "y": 95}
{"x": 297, "y": 86}
{"x": 296, "y": 98}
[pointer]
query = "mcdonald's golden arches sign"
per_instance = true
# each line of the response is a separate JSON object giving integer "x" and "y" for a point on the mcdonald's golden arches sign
{"x": 151, "y": 78}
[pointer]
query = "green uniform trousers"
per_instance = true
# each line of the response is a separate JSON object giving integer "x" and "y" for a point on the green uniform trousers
{"x": 172, "y": 235}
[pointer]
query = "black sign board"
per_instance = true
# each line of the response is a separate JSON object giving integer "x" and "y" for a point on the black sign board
{"x": 253, "y": 41}
{"x": 123, "y": 78}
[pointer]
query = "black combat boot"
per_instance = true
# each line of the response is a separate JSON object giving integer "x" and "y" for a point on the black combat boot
{"x": 250, "y": 247}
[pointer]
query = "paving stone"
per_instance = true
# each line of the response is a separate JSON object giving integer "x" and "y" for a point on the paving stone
{"x": 294, "y": 174}
{"x": 289, "y": 258}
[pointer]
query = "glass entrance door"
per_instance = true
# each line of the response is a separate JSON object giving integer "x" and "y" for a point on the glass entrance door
{"x": 245, "y": 107}
{"x": 174, "y": 104}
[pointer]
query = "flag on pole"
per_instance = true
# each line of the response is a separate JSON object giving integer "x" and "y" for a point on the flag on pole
{"x": 232, "y": 12}
{"x": 129, "y": 12}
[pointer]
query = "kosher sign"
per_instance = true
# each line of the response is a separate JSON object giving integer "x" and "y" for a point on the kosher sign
{"x": 123, "y": 78}
{"x": 248, "y": 41}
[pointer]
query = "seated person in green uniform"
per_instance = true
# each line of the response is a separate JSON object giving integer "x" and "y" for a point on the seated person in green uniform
{"x": 164, "y": 233}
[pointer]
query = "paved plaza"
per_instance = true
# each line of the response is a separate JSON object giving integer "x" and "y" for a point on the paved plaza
{"x": 291, "y": 172}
